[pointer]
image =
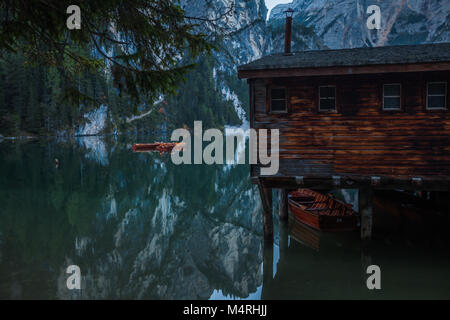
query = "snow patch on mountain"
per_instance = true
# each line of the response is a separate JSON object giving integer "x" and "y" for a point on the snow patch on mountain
{"x": 95, "y": 122}
{"x": 229, "y": 95}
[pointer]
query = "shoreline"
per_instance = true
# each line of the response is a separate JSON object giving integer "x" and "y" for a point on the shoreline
{"x": 244, "y": 126}
{"x": 37, "y": 137}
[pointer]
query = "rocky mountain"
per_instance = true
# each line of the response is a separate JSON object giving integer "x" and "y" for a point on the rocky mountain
{"x": 244, "y": 39}
{"x": 324, "y": 24}
{"x": 320, "y": 24}
{"x": 243, "y": 23}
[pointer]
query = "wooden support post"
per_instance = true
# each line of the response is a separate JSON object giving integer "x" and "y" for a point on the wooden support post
{"x": 267, "y": 270}
{"x": 283, "y": 205}
{"x": 365, "y": 199}
{"x": 366, "y": 260}
{"x": 283, "y": 242}
{"x": 266, "y": 200}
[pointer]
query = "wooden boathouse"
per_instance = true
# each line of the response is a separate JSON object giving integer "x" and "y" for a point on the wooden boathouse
{"x": 362, "y": 118}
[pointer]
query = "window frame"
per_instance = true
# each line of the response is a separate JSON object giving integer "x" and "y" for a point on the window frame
{"x": 400, "y": 97}
{"x": 434, "y": 95}
{"x": 286, "y": 108}
{"x": 335, "y": 98}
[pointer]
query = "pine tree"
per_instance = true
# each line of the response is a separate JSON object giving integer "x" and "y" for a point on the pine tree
{"x": 154, "y": 33}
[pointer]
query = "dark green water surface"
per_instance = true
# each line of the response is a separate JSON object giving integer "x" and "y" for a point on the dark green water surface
{"x": 140, "y": 227}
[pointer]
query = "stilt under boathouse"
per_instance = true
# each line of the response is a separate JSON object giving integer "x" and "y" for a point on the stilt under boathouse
{"x": 365, "y": 118}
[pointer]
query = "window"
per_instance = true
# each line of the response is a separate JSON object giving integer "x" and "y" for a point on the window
{"x": 392, "y": 96}
{"x": 278, "y": 100}
{"x": 327, "y": 98}
{"x": 436, "y": 95}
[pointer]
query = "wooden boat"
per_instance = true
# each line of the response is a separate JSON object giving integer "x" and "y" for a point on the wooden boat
{"x": 322, "y": 212}
{"x": 157, "y": 146}
{"x": 305, "y": 235}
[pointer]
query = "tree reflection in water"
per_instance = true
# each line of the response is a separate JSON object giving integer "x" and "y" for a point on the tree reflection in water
{"x": 137, "y": 225}
{"x": 140, "y": 227}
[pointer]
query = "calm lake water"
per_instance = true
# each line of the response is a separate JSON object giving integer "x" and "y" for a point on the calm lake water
{"x": 140, "y": 227}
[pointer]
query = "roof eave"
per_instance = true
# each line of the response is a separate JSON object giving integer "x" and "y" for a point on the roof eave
{"x": 343, "y": 70}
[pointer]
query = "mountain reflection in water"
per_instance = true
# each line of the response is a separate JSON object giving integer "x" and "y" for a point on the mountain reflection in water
{"x": 140, "y": 227}
{"x": 137, "y": 225}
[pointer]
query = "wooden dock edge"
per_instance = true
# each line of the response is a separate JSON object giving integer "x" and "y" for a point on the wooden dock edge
{"x": 354, "y": 182}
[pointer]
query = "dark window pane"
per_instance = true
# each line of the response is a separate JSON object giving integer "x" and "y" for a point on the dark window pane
{"x": 391, "y": 103}
{"x": 327, "y": 92}
{"x": 436, "y": 88}
{"x": 327, "y": 104}
{"x": 278, "y": 94}
{"x": 436, "y": 102}
{"x": 392, "y": 90}
{"x": 278, "y": 105}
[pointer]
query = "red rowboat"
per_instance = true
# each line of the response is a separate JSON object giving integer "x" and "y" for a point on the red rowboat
{"x": 158, "y": 146}
{"x": 322, "y": 212}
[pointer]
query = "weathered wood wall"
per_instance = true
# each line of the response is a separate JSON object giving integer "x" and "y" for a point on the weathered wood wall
{"x": 359, "y": 138}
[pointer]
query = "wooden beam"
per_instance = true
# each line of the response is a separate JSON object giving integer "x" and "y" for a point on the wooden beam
{"x": 283, "y": 204}
{"x": 365, "y": 199}
{"x": 320, "y": 182}
{"x": 266, "y": 200}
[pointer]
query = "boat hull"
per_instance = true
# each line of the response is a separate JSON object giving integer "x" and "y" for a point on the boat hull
{"x": 322, "y": 222}
{"x": 158, "y": 146}
{"x": 306, "y": 235}
{"x": 322, "y": 212}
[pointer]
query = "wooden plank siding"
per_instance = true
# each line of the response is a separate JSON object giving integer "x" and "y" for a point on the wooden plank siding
{"x": 359, "y": 139}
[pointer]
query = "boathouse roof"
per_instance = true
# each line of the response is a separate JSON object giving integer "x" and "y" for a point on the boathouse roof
{"x": 357, "y": 57}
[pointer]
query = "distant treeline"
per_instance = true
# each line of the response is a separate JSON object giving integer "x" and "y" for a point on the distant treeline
{"x": 200, "y": 98}
{"x": 34, "y": 100}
